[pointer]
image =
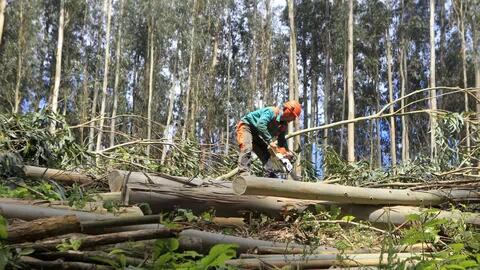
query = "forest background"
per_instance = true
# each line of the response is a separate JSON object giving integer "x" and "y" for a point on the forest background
{"x": 151, "y": 83}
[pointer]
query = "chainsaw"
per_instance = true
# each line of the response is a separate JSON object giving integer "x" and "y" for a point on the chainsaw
{"x": 281, "y": 163}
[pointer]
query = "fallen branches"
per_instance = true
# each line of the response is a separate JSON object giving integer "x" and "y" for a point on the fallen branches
{"x": 43, "y": 228}
{"x": 68, "y": 177}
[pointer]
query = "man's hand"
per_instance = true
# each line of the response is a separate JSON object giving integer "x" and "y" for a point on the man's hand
{"x": 273, "y": 145}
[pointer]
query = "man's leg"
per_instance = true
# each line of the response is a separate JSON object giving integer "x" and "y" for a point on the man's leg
{"x": 261, "y": 150}
{"x": 244, "y": 140}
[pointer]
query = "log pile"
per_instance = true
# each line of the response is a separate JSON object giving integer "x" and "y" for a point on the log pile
{"x": 44, "y": 228}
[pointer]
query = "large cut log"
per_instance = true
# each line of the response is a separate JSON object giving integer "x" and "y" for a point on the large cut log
{"x": 104, "y": 239}
{"x": 318, "y": 260}
{"x": 399, "y": 214}
{"x": 201, "y": 199}
{"x": 308, "y": 250}
{"x": 68, "y": 177}
{"x": 251, "y": 185}
{"x": 117, "y": 179}
{"x": 189, "y": 239}
{"x": 42, "y": 228}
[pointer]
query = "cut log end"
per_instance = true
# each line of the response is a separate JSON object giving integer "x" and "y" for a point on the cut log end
{"x": 239, "y": 185}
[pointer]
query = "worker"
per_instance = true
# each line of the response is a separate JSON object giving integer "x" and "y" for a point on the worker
{"x": 256, "y": 132}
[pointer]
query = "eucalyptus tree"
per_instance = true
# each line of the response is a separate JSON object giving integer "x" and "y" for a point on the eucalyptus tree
{"x": 58, "y": 63}
{"x": 351, "y": 99}
{"x": 433, "y": 93}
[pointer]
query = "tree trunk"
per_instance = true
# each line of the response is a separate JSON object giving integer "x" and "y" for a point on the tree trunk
{"x": 253, "y": 59}
{"x": 351, "y": 100}
{"x": 43, "y": 228}
{"x": 293, "y": 73}
{"x": 3, "y": 5}
{"x": 229, "y": 86}
{"x": 460, "y": 10}
{"x": 433, "y": 93}
{"x": 58, "y": 63}
{"x": 190, "y": 89}
{"x": 57, "y": 175}
{"x": 21, "y": 41}
{"x": 171, "y": 104}
{"x": 117, "y": 77}
{"x": 105, "y": 76}
{"x": 342, "y": 194}
{"x": 267, "y": 54}
{"x": 150, "y": 85}
{"x": 318, "y": 261}
{"x": 105, "y": 239}
{"x": 34, "y": 263}
{"x": 84, "y": 101}
{"x": 393, "y": 142}
{"x": 201, "y": 199}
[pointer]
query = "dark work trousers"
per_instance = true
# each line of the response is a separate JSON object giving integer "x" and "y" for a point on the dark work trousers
{"x": 248, "y": 140}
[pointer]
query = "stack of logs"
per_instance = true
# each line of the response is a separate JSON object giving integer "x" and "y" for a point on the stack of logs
{"x": 44, "y": 228}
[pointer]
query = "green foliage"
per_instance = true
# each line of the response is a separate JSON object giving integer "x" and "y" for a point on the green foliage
{"x": 166, "y": 256}
{"x": 447, "y": 133}
{"x": 77, "y": 197}
{"x": 69, "y": 244}
{"x": 42, "y": 190}
{"x": 28, "y": 136}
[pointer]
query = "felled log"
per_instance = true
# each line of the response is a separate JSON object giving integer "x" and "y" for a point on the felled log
{"x": 201, "y": 199}
{"x": 34, "y": 263}
{"x": 307, "y": 250}
{"x": 251, "y": 185}
{"x": 68, "y": 177}
{"x": 43, "y": 228}
{"x": 398, "y": 214}
{"x": 105, "y": 239}
{"x": 189, "y": 239}
{"x": 317, "y": 260}
{"x": 118, "y": 178}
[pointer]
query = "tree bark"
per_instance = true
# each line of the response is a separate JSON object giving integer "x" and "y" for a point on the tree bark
{"x": 57, "y": 175}
{"x": 351, "y": 99}
{"x": 433, "y": 93}
{"x": 229, "y": 87}
{"x": 105, "y": 239}
{"x": 341, "y": 194}
{"x": 58, "y": 64}
{"x": 222, "y": 199}
{"x": 105, "y": 76}
{"x": 3, "y": 5}
{"x": 43, "y": 228}
{"x": 150, "y": 84}
{"x": 190, "y": 89}
{"x": 267, "y": 53}
{"x": 460, "y": 10}
{"x": 117, "y": 77}
{"x": 253, "y": 59}
{"x": 21, "y": 42}
{"x": 393, "y": 143}
{"x": 293, "y": 72}
{"x": 317, "y": 260}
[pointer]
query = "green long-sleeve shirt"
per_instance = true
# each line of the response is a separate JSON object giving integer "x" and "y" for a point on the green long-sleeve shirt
{"x": 267, "y": 123}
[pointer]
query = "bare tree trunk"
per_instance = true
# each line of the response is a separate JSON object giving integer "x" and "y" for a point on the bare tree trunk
{"x": 105, "y": 76}
{"x": 293, "y": 73}
{"x": 190, "y": 71}
{"x": 328, "y": 82}
{"x": 403, "y": 82}
{"x": 229, "y": 65}
{"x": 351, "y": 100}
{"x": 21, "y": 41}
{"x": 267, "y": 41}
{"x": 58, "y": 63}
{"x": 433, "y": 94}
{"x": 150, "y": 87}
{"x": 171, "y": 103}
{"x": 253, "y": 60}
{"x": 393, "y": 143}
{"x": 84, "y": 102}
{"x": 3, "y": 5}
{"x": 460, "y": 10}
{"x": 117, "y": 76}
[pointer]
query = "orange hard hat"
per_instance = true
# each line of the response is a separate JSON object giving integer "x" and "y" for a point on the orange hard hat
{"x": 294, "y": 107}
